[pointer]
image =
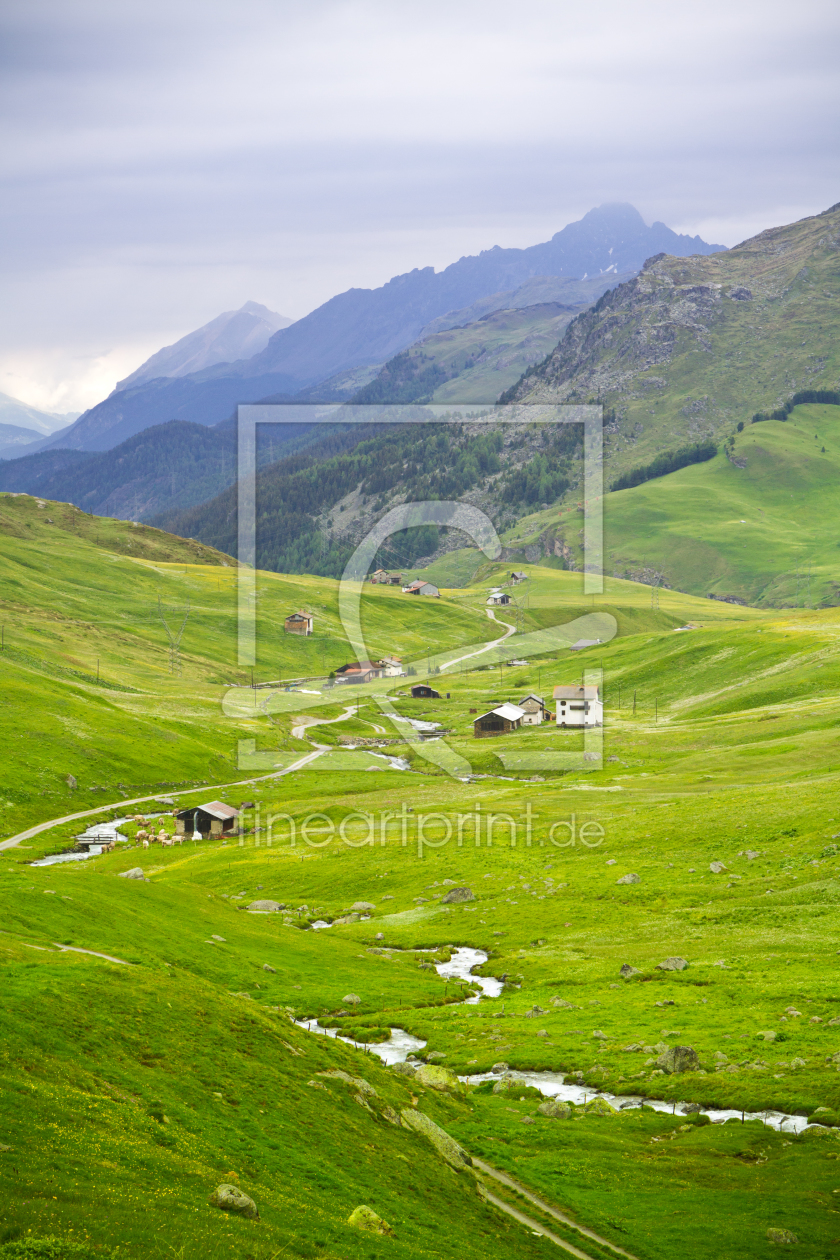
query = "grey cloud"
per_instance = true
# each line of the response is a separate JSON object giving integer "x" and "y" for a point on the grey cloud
{"x": 178, "y": 150}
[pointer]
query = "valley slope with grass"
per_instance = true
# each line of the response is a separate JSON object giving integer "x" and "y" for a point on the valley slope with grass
{"x": 140, "y": 1075}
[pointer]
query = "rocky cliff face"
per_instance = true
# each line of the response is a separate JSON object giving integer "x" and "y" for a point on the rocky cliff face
{"x": 692, "y": 345}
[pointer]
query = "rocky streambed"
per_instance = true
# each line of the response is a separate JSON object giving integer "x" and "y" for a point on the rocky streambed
{"x": 402, "y": 1046}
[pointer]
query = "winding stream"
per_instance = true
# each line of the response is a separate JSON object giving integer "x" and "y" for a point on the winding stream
{"x": 105, "y": 831}
{"x": 401, "y": 1044}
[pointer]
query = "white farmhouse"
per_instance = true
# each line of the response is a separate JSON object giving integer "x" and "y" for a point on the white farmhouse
{"x": 533, "y": 708}
{"x": 578, "y": 706}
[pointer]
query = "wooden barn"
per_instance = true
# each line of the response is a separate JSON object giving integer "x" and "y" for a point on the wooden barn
{"x": 213, "y": 819}
{"x": 421, "y": 588}
{"x": 299, "y": 623}
{"x": 422, "y": 691}
{"x": 500, "y": 721}
{"x": 357, "y": 672}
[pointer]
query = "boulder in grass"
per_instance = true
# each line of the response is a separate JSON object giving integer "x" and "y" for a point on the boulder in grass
{"x": 445, "y": 1145}
{"x": 136, "y": 872}
{"x": 632, "y": 878}
{"x": 717, "y": 868}
{"x": 783, "y": 1236}
{"x": 457, "y": 894}
{"x": 363, "y": 907}
{"x": 351, "y": 999}
{"x": 365, "y": 1218}
{"x": 678, "y": 1059}
{"x": 599, "y": 1107}
{"x": 434, "y": 1076}
{"x": 554, "y": 1109}
{"x": 268, "y": 967}
{"x": 627, "y": 971}
{"x": 231, "y": 1199}
{"x": 672, "y": 964}
{"x": 267, "y": 907}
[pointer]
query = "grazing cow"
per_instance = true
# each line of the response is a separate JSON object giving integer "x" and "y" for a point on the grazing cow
{"x": 177, "y": 839}
{"x": 145, "y": 844}
{"x": 142, "y": 835}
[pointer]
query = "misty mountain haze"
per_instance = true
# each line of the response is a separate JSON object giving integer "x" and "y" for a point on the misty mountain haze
{"x": 230, "y": 336}
{"x": 365, "y": 326}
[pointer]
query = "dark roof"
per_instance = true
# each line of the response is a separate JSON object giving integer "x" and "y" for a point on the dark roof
{"x": 216, "y": 809}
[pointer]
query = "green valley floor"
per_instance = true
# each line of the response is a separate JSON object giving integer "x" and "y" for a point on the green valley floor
{"x": 157, "y": 1034}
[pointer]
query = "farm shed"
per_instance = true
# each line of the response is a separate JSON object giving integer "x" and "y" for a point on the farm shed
{"x": 299, "y": 623}
{"x": 421, "y": 588}
{"x": 500, "y": 721}
{"x": 422, "y": 691}
{"x": 213, "y": 819}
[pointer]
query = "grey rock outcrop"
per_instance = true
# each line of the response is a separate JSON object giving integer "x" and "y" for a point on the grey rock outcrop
{"x": 456, "y": 895}
{"x": 554, "y": 1109}
{"x": 358, "y": 1082}
{"x": 363, "y": 907}
{"x": 672, "y": 964}
{"x": 136, "y": 872}
{"x": 632, "y": 878}
{"x": 783, "y": 1236}
{"x": 365, "y": 1218}
{"x": 445, "y": 1145}
{"x": 268, "y": 907}
{"x": 628, "y": 971}
{"x": 678, "y": 1059}
{"x": 599, "y": 1107}
{"x": 231, "y": 1199}
{"x": 433, "y": 1076}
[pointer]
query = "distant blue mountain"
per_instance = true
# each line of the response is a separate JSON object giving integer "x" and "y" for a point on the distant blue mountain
{"x": 369, "y": 326}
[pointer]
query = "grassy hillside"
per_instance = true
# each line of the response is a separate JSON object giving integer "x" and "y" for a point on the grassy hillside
{"x": 131, "y": 1089}
{"x": 693, "y": 346}
{"x": 87, "y": 688}
{"x": 473, "y": 364}
{"x": 165, "y": 1078}
{"x": 757, "y": 522}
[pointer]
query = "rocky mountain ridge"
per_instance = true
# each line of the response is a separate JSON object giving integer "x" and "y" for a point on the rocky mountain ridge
{"x": 692, "y": 346}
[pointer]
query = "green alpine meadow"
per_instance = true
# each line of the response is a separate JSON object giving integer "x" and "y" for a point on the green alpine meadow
{"x": 478, "y": 899}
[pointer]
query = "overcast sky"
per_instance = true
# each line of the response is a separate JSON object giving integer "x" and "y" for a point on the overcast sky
{"x": 166, "y": 161}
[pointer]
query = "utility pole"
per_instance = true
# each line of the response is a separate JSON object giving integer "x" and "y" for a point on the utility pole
{"x": 174, "y": 638}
